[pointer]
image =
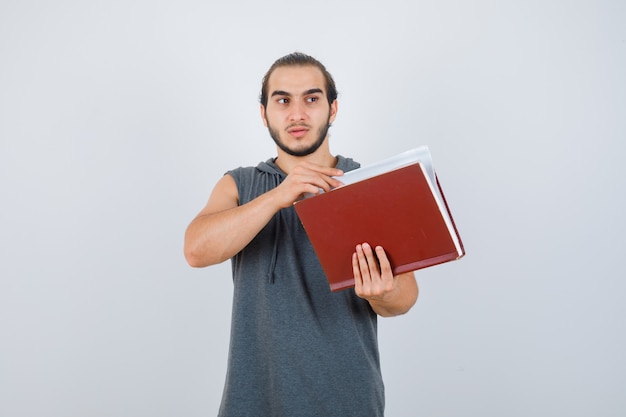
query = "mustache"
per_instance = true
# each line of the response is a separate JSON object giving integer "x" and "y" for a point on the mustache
{"x": 300, "y": 124}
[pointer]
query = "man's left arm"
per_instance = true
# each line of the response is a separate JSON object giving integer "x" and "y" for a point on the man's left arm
{"x": 374, "y": 281}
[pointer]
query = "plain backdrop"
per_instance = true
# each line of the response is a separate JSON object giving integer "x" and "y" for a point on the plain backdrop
{"x": 118, "y": 117}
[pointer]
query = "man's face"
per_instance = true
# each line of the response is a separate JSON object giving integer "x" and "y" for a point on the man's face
{"x": 298, "y": 114}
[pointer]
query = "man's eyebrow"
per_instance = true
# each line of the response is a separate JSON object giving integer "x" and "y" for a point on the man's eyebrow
{"x": 280, "y": 93}
{"x": 306, "y": 93}
{"x": 314, "y": 91}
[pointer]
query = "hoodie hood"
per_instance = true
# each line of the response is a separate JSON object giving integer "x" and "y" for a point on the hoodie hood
{"x": 343, "y": 163}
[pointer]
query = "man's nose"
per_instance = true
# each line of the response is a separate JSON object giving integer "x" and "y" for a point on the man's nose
{"x": 297, "y": 112}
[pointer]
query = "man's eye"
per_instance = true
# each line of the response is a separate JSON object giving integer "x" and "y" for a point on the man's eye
{"x": 312, "y": 99}
{"x": 283, "y": 101}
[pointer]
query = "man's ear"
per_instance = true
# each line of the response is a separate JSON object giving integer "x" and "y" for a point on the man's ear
{"x": 333, "y": 111}
{"x": 263, "y": 117}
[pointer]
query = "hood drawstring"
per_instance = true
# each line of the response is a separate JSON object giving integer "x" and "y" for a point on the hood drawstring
{"x": 272, "y": 266}
{"x": 277, "y": 177}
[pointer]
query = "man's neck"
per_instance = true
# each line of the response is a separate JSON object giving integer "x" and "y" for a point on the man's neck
{"x": 321, "y": 157}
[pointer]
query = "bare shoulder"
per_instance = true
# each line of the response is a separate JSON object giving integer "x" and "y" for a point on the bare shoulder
{"x": 223, "y": 197}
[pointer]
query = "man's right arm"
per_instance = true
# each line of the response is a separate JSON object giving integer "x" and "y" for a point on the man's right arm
{"x": 223, "y": 227}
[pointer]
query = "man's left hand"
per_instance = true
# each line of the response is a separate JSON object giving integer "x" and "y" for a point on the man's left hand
{"x": 374, "y": 281}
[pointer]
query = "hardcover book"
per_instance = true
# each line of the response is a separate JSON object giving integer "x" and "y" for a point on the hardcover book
{"x": 396, "y": 203}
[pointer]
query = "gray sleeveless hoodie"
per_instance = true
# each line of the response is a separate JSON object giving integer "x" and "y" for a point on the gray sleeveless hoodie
{"x": 296, "y": 348}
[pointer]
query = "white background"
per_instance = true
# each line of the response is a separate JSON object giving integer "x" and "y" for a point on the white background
{"x": 117, "y": 118}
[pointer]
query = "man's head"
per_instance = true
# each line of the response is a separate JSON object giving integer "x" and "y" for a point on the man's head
{"x": 298, "y": 104}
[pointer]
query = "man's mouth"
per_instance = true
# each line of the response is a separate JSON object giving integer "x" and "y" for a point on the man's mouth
{"x": 298, "y": 131}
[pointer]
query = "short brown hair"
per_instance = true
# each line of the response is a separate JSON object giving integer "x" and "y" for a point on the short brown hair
{"x": 299, "y": 59}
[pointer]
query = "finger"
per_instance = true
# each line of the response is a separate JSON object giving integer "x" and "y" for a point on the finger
{"x": 386, "y": 273}
{"x": 364, "y": 269}
{"x": 329, "y": 171}
{"x": 328, "y": 182}
{"x": 356, "y": 271}
{"x": 362, "y": 280}
{"x": 323, "y": 175}
{"x": 372, "y": 261}
{"x": 319, "y": 181}
{"x": 383, "y": 262}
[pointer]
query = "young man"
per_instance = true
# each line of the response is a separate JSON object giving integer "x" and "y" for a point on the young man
{"x": 296, "y": 348}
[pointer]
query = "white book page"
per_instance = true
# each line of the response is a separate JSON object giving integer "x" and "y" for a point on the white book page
{"x": 420, "y": 154}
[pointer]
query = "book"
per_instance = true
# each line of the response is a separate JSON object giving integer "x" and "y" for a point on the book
{"x": 396, "y": 203}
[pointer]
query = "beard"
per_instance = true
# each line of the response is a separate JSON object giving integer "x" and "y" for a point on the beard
{"x": 322, "y": 133}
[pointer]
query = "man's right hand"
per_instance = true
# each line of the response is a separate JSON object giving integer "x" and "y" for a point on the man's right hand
{"x": 304, "y": 178}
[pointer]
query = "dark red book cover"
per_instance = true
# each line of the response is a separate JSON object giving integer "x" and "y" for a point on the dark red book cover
{"x": 402, "y": 210}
